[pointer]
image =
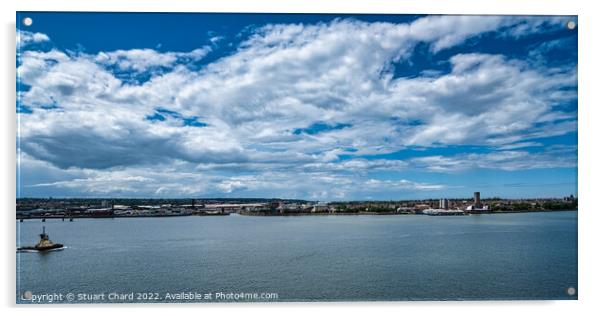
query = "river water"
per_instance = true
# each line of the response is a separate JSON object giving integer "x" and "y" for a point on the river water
{"x": 303, "y": 258}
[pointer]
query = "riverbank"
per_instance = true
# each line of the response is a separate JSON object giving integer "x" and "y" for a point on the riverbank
{"x": 117, "y": 216}
{"x": 259, "y": 213}
{"x": 392, "y": 213}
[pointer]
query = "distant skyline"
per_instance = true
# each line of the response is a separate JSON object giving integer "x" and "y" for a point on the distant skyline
{"x": 300, "y": 106}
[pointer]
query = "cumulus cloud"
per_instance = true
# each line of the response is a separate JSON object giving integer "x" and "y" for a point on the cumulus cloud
{"x": 488, "y": 97}
{"x": 508, "y": 160}
{"x": 291, "y": 99}
{"x": 25, "y": 38}
{"x": 140, "y": 60}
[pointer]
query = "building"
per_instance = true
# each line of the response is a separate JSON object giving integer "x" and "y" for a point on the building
{"x": 433, "y": 212}
{"x": 444, "y": 204}
{"x": 570, "y": 198}
{"x": 477, "y": 206}
{"x": 227, "y": 208}
{"x": 477, "y": 200}
{"x": 320, "y": 207}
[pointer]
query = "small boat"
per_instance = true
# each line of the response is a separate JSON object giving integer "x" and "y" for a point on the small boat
{"x": 44, "y": 244}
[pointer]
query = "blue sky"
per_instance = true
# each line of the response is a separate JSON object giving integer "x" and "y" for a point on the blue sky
{"x": 321, "y": 107}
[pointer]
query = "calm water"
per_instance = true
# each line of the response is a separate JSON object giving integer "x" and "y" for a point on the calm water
{"x": 307, "y": 258}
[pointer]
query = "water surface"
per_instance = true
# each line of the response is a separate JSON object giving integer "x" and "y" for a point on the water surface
{"x": 310, "y": 258}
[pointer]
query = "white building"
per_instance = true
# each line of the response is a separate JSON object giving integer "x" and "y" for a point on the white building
{"x": 444, "y": 204}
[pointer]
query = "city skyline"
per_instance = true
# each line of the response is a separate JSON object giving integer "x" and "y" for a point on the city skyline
{"x": 297, "y": 106}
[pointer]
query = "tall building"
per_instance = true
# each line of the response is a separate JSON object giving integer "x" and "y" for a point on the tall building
{"x": 444, "y": 204}
{"x": 477, "y": 206}
{"x": 477, "y": 199}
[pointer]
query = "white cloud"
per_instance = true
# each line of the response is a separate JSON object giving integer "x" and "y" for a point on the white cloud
{"x": 25, "y": 38}
{"x": 378, "y": 185}
{"x": 525, "y": 25}
{"x": 216, "y": 39}
{"x": 141, "y": 60}
{"x": 520, "y": 145}
{"x": 447, "y": 31}
{"x": 508, "y": 160}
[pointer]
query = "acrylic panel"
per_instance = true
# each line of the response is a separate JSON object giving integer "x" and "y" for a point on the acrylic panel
{"x": 238, "y": 157}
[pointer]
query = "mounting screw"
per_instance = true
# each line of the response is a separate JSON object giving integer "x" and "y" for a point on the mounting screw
{"x": 27, "y": 295}
{"x": 571, "y": 25}
{"x": 571, "y": 291}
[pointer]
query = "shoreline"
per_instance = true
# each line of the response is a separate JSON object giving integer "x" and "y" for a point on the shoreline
{"x": 258, "y": 214}
{"x": 402, "y": 214}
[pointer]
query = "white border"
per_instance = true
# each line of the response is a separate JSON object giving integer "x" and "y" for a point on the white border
{"x": 589, "y": 149}
{"x": 332, "y": 6}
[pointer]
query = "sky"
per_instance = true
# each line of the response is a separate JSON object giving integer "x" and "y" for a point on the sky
{"x": 304, "y": 106}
